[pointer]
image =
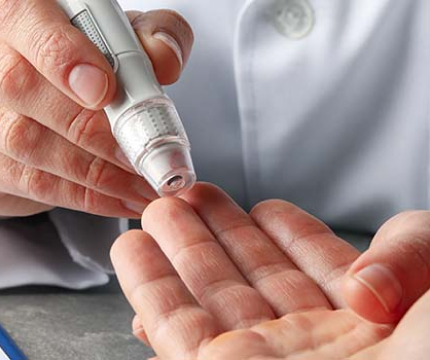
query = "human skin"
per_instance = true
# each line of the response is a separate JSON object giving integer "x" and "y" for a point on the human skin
{"x": 209, "y": 281}
{"x": 56, "y": 147}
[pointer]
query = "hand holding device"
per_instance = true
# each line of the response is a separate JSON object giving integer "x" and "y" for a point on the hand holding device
{"x": 144, "y": 120}
{"x": 56, "y": 144}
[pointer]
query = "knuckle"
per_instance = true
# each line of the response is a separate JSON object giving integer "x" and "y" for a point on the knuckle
{"x": 79, "y": 127}
{"x": 180, "y": 25}
{"x": 35, "y": 183}
{"x": 11, "y": 173}
{"x": 95, "y": 171}
{"x": 90, "y": 201}
{"x": 19, "y": 137}
{"x": 8, "y": 7}
{"x": 53, "y": 50}
{"x": 166, "y": 20}
{"x": 16, "y": 76}
{"x": 73, "y": 195}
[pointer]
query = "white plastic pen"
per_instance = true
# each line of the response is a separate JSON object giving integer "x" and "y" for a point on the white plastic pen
{"x": 143, "y": 119}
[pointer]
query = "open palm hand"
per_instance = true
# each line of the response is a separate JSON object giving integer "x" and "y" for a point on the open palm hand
{"x": 208, "y": 281}
{"x": 310, "y": 335}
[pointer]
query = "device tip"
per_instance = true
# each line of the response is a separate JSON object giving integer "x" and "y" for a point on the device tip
{"x": 169, "y": 169}
{"x": 177, "y": 184}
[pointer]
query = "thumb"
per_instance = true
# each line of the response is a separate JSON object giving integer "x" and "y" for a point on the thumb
{"x": 167, "y": 39}
{"x": 385, "y": 281}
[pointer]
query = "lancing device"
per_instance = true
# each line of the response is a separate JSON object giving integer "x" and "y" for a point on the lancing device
{"x": 143, "y": 119}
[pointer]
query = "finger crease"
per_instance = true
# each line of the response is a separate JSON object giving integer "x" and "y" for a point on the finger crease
{"x": 216, "y": 287}
{"x": 243, "y": 224}
{"x": 264, "y": 271}
{"x": 332, "y": 276}
{"x": 78, "y": 124}
{"x": 189, "y": 247}
{"x": 141, "y": 288}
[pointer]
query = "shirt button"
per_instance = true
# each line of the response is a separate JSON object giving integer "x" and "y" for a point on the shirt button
{"x": 294, "y": 19}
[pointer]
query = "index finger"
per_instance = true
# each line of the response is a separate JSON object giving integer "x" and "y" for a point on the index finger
{"x": 43, "y": 34}
{"x": 166, "y": 308}
{"x": 207, "y": 270}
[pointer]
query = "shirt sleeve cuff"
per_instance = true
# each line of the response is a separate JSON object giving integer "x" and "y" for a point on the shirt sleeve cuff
{"x": 59, "y": 248}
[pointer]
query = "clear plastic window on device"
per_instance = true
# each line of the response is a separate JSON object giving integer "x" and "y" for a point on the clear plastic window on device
{"x": 154, "y": 140}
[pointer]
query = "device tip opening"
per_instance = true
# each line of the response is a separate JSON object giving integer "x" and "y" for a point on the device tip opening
{"x": 176, "y": 182}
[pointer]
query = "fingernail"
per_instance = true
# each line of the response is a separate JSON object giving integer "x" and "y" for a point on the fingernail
{"x": 382, "y": 282}
{"x": 119, "y": 154}
{"x": 89, "y": 83}
{"x": 139, "y": 332}
{"x": 134, "y": 207}
{"x": 140, "y": 335}
{"x": 171, "y": 42}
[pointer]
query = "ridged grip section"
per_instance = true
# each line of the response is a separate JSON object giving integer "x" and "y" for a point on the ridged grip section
{"x": 84, "y": 22}
{"x": 148, "y": 125}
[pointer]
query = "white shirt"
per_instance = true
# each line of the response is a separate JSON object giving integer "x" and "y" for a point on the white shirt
{"x": 336, "y": 121}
